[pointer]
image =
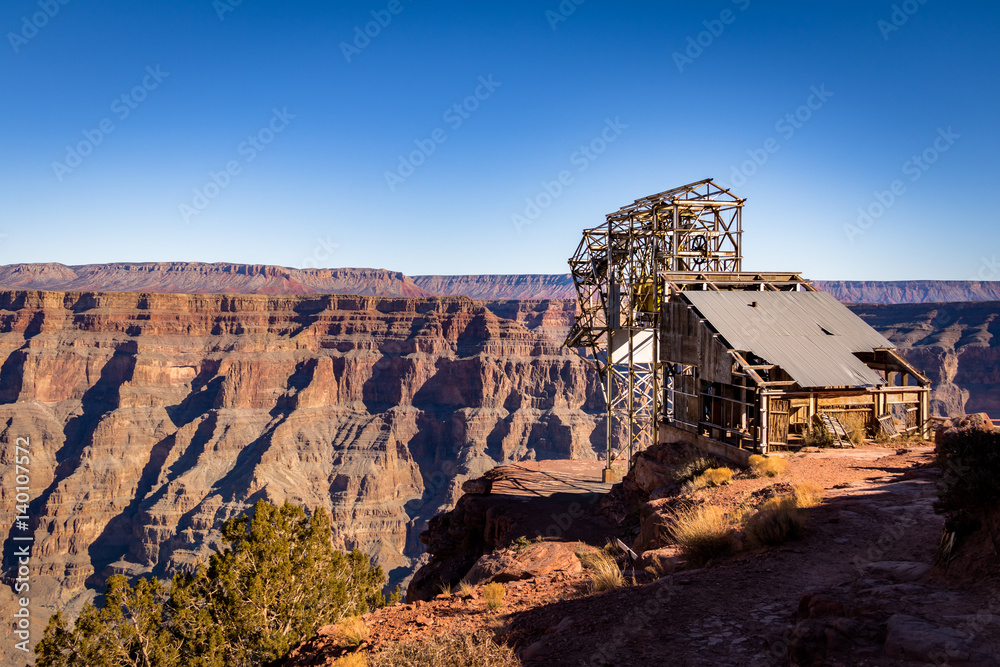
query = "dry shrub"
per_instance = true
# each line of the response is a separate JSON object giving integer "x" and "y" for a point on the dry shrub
{"x": 714, "y": 477}
{"x": 351, "y": 660}
{"x": 445, "y": 588}
{"x": 465, "y": 589}
{"x": 494, "y": 595}
{"x": 777, "y": 521}
{"x": 691, "y": 468}
{"x": 456, "y": 649}
{"x": 808, "y": 494}
{"x": 704, "y": 533}
{"x": 351, "y": 631}
{"x": 818, "y": 437}
{"x": 767, "y": 466}
{"x": 604, "y": 572}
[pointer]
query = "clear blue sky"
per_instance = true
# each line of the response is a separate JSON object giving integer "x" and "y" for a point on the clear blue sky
{"x": 320, "y": 182}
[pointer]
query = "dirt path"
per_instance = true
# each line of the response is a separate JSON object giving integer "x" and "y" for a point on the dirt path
{"x": 745, "y": 611}
{"x": 856, "y": 589}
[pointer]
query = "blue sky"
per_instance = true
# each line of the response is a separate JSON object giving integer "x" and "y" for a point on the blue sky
{"x": 281, "y": 133}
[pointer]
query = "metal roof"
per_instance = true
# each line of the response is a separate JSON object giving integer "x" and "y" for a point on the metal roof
{"x": 810, "y": 335}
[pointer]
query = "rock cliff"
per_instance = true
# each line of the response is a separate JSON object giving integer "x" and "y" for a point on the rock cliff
{"x": 152, "y": 418}
{"x": 199, "y": 278}
{"x": 956, "y": 344}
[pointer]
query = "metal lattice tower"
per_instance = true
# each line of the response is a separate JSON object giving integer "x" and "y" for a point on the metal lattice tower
{"x": 618, "y": 271}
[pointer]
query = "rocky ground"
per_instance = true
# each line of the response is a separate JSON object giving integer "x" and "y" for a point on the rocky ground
{"x": 860, "y": 587}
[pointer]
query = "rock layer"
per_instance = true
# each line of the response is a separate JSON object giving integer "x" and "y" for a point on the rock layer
{"x": 153, "y": 418}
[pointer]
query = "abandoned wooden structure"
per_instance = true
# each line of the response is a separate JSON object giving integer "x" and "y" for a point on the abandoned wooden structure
{"x": 689, "y": 346}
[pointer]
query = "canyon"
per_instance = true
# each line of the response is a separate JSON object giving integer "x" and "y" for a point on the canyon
{"x": 229, "y": 278}
{"x": 155, "y": 415}
{"x": 154, "y": 418}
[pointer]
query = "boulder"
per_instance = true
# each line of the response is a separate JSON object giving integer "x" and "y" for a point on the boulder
{"x": 534, "y": 560}
{"x": 902, "y": 571}
{"x": 912, "y": 638}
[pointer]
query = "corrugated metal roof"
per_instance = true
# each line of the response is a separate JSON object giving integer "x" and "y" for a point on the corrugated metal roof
{"x": 810, "y": 335}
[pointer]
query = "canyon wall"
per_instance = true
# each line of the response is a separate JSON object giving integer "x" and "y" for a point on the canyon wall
{"x": 153, "y": 418}
{"x": 199, "y": 278}
{"x": 956, "y": 344}
{"x": 228, "y": 278}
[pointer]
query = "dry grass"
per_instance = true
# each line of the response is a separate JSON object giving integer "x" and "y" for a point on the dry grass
{"x": 445, "y": 588}
{"x": 714, "y": 477}
{"x": 494, "y": 595}
{"x": 767, "y": 466}
{"x": 604, "y": 572}
{"x": 352, "y": 660}
{"x": 465, "y": 589}
{"x": 351, "y": 631}
{"x": 777, "y": 521}
{"x": 704, "y": 533}
{"x": 458, "y": 649}
{"x": 818, "y": 437}
{"x": 808, "y": 494}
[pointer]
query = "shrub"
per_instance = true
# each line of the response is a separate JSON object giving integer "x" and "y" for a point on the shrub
{"x": 459, "y": 649}
{"x": 703, "y": 533}
{"x": 494, "y": 595}
{"x": 351, "y": 631}
{"x": 808, "y": 494}
{"x": 777, "y": 521}
{"x": 604, "y": 572}
{"x": 818, "y": 437}
{"x": 465, "y": 589}
{"x": 714, "y": 477}
{"x": 521, "y": 542}
{"x": 970, "y": 468}
{"x": 692, "y": 468}
{"x": 277, "y": 580}
{"x": 767, "y": 466}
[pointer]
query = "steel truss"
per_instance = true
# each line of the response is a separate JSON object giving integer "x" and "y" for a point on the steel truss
{"x": 620, "y": 270}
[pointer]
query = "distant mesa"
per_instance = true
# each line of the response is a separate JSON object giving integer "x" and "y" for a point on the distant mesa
{"x": 228, "y": 278}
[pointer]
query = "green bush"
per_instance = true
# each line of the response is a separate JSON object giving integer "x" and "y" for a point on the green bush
{"x": 275, "y": 583}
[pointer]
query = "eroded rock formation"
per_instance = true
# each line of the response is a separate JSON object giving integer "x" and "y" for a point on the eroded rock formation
{"x": 153, "y": 418}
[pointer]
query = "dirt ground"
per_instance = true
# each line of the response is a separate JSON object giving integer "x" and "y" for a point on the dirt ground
{"x": 856, "y": 589}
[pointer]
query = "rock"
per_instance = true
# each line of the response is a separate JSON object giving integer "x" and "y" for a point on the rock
{"x": 664, "y": 561}
{"x": 154, "y": 418}
{"x": 901, "y": 571}
{"x": 534, "y": 650}
{"x": 535, "y": 560}
{"x": 424, "y": 620}
{"x": 480, "y": 486}
{"x": 912, "y": 638}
